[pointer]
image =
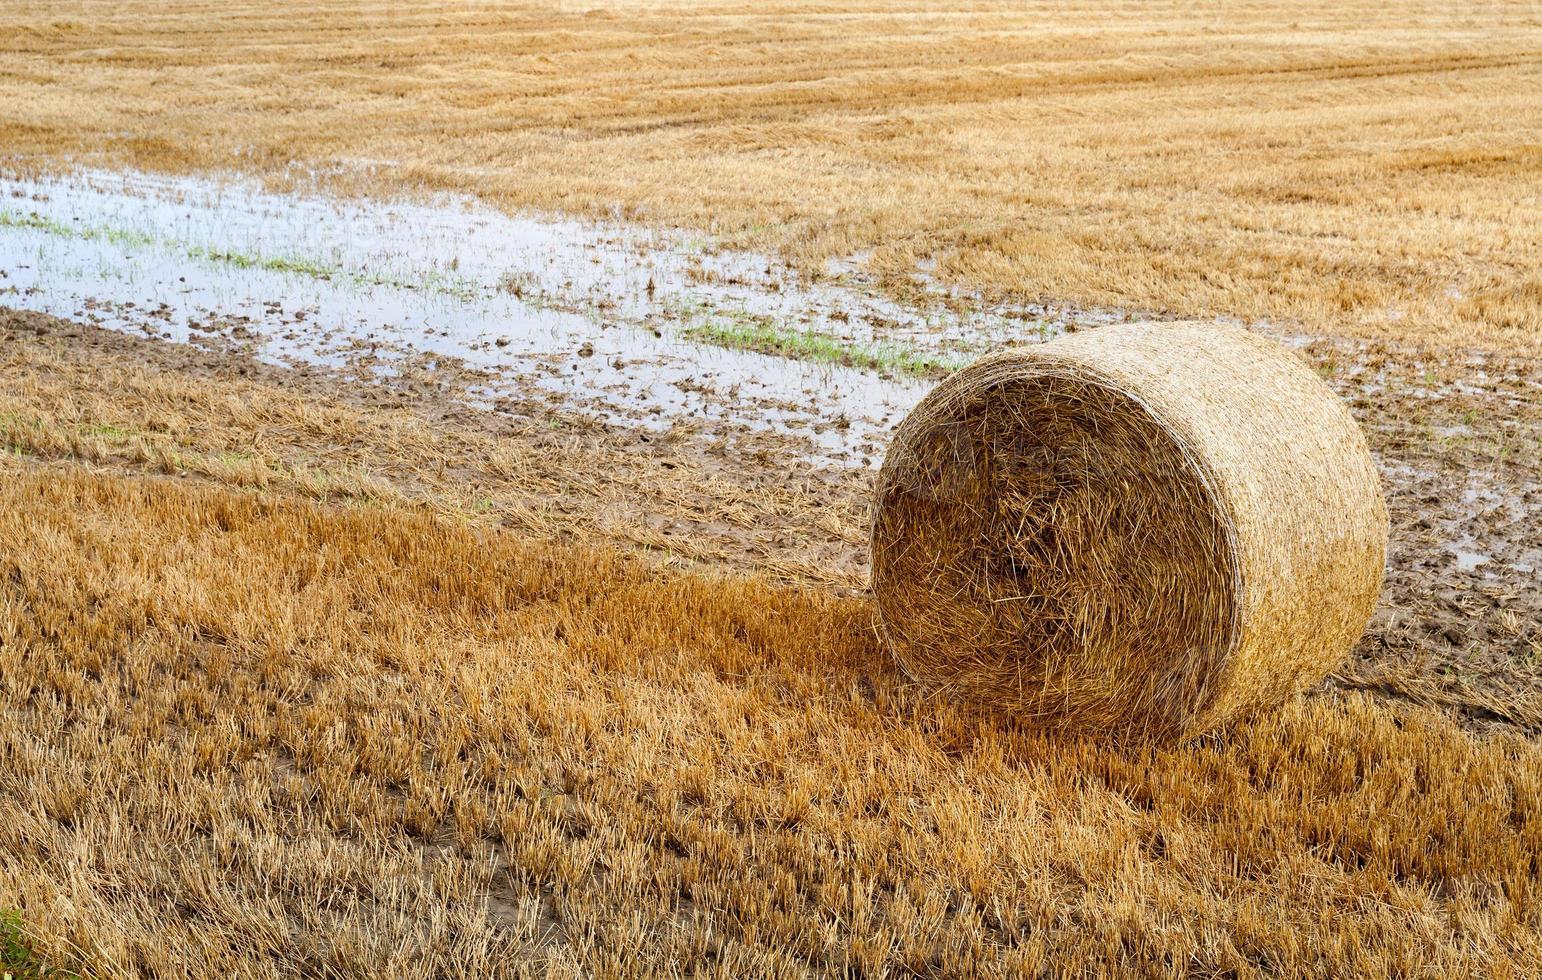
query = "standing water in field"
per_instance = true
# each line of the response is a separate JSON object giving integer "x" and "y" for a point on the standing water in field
{"x": 638, "y": 326}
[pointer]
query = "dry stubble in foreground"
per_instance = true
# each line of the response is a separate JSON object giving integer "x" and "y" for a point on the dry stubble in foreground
{"x": 1364, "y": 167}
{"x": 258, "y": 734}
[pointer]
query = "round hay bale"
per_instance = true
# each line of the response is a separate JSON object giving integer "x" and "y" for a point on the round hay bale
{"x": 1147, "y": 529}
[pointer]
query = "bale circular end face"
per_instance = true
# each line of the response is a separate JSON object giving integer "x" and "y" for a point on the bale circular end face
{"x": 1147, "y": 529}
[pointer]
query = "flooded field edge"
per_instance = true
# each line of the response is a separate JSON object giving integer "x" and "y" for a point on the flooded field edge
{"x": 637, "y": 325}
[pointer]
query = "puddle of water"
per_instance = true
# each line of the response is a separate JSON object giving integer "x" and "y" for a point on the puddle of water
{"x": 597, "y": 314}
{"x": 1468, "y": 561}
{"x": 609, "y": 317}
{"x": 1489, "y": 520}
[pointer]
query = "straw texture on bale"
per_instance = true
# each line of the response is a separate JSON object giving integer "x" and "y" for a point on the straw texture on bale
{"x": 1147, "y": 530}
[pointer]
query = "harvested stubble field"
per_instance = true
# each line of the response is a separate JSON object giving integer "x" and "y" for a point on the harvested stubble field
{"x": 369, "y": 741}
{"x": 1369, "y": 167}
{"x": 341, "y": 671}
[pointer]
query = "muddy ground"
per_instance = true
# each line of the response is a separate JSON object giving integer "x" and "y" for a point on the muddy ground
{"x": 1455, "y": 436}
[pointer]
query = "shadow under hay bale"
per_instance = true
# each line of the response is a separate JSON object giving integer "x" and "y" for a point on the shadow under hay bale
{"x": 1148, "y": 530}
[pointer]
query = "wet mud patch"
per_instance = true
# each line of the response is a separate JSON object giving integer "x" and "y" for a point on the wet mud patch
{"x": 1457, "y": 436}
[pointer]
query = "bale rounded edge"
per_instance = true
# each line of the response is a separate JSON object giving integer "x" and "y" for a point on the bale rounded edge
{"x": 1152, "y": 528}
